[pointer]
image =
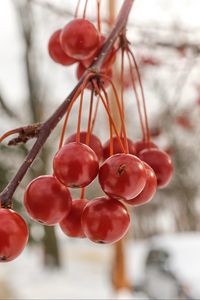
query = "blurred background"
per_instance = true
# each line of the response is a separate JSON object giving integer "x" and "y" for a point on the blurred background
{"x": 160, "y": 257}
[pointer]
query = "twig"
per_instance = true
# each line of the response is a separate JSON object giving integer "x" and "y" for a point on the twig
{"x": 47, "y": 127}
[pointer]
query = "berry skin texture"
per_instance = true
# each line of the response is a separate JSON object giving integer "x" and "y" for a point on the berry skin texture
{"x": 94, "y": 144}
{"x": 56, "y": 52}
{"x": 142, "y": 145}
{"x": 13, "y": 235}
{"x": 75, "y": 165}
{"x": 105, "y": 220}
{"x": 117, "y": 148}
{"x": 149, "y": 189}
{"x": 160, "y": 162}
{"x": 47, "y": 200}
{"x": 71, "y": 224}
{"x": 79, "y": 39}
{"x": 122, "y": 176}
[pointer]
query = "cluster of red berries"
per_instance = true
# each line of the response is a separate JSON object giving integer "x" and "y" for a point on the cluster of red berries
{"x": 123, "y": 178}
{"x": 79, "y": 42}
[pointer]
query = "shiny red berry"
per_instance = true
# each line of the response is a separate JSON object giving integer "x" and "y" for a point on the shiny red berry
{"x": 47, "y": 200}
{"x": 71, "y": 224}
{"x": 79, "y": 39}
{"x": 149, "y": 189}
{"x": 122, "y": 176}
{"x": 94, "y": 142}
{"x": 160, "y": 162}
{"x": 117, "y": 148}
{"x": 13, "y": 235}
{"x": 56, "y": 52}
{"x": 141, "y": 145}
{"x": 75, "y": 165}
{"x": 105, "y": 220}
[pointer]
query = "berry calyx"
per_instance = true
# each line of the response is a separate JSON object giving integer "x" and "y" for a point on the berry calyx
{"x": 13, "y": 234}
{"x": 94, "y": 142}
{"x": 122, "y": 176}
{"x": 71, "y": 225}
{"x": 56, "y": 52}
{"x": 149, "y": 189}
{"x": 117, "y": 148}
{"x": 105, "y": 220}
{"x": 160, "y": 162}
{"x": 142, "y": 145}
{"x": 79, "y": 39}
{"x": 47, "y": 200}
{"x": 75, "y": 165}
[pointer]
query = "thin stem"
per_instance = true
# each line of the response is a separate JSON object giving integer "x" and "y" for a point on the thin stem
{"x": 79, "y": 117}
{"x": 143, "y": 96}
{"x": 110, "y": 124}
{"x": 95, "y": 115}
{"x": 70, "y": 108}
{"x": 48, "y": 126}
{"x": 90, "y": 118}
{"x": 85, "y": 9}
{"x": 77, "y": 9}
{"x": 120, "y": 113}
{"x": 109, "y": 116}
{"x": 82, "y": 195}
{"x": 99, "y": 16}
{"x": 9, "y": 133}
{"x": 136, "y": 96}
{"x": 122, "y": 80}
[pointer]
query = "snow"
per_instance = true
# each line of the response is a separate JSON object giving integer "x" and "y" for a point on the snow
{"x": 85, "y": 273}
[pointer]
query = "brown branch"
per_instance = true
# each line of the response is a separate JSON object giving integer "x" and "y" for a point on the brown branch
{"x": 47, "y": 127}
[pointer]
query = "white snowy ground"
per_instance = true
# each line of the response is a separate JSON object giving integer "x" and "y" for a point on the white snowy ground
{"x": 86, "y": 269}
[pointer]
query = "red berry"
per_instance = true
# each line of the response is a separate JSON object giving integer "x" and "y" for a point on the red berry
{"x": 13, "y": 235}
{"x": 105, "y": 220}
{"x": 71, "y": 224}
{"x": 122, "y": 176}
{"x": 56, "y": 52}
{"x": 94, "y": 144}
{"x": 149, "y": 189}
{"x": 160, "y": 162}
{"x": 75, "y": 165}
{"x": 79, "y": 39}
{"x": 109, "y": 60}
{"x": 47, "y": 200}
{"x": 141, "y": 145}
{"x": 117, "y": 148}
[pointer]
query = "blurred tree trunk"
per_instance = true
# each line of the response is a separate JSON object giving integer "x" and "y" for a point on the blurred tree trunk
{"x": 26, "y": 26}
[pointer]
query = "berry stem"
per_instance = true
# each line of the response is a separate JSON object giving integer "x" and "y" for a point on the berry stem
{"x": 90, "y": 118}
{"x": 99, "y": 16}
{"x": 70, "y": 108}
{"x": 110, "y": 124}
{"x": 82, "y": 195}
{"x": 79, "y": 117}
{"x": 143, "y": 96}
{"x": 48, "y": 126}
{"x": 85, "y": 9}
{"x": 77, "y": 9}
{"x": 136, "y": 96}
{"x": 95, "y": 115}
{"x": 120, "y": 113}
{"x": 109, "y": 116}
